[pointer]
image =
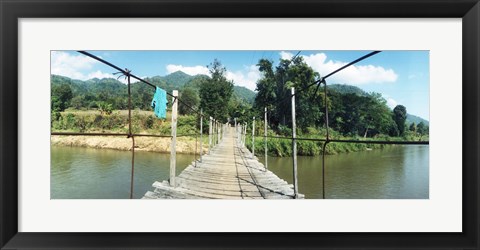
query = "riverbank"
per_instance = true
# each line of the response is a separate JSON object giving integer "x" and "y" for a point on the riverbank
{"x": 283, "y": 147}
{"x": 184, "y": 145}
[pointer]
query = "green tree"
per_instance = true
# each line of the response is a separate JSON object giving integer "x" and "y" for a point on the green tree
{"x": 421, "y": 128}
{"x": 77, "y": 102}
{"x": 189, "y": 97}
{"x": 215, "y": 92}
{"x": 266, "y": 95}
{"x": 105, "y": 108}
{"x": 61, "y": 96}
{"x": 400, "y": 116}
{"x": 274, "y": 90}
{"x": 413, "y": 127}
{"x": 375, "y": 116}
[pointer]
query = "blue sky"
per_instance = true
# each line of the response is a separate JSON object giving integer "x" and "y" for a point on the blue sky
{"x": 402, "y": 77}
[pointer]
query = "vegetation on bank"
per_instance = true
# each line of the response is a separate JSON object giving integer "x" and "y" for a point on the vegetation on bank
{"x": 282, "y": 147}
{"x": 117, "y": 122}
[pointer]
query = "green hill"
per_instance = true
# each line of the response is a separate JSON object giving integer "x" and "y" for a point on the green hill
{"x": 416, "y": 120}
{"x": 244, "y": 93}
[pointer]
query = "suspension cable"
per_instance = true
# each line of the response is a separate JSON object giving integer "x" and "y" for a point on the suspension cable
{"x": 127, "y": 72}
{"x": 322, "y": 79}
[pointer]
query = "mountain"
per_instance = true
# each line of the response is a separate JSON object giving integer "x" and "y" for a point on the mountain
{"x": 88, "y": 93}
{"x": 416, "y": 120}
{"x": 177, "y": 78}
{"x": 241, "y": 92}
{"x": 244, "y": 93}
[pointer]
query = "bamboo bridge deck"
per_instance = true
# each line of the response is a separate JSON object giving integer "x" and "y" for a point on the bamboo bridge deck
{"x": 227, "y": 172}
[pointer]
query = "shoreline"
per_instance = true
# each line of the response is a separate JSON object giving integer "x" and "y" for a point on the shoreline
{"x": 148, "y": 144}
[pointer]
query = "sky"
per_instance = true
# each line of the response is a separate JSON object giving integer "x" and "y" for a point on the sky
{"x": 402, "y": 77}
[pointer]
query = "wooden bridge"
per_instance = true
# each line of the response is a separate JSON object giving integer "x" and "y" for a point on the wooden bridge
{"x": 229, "y": 171}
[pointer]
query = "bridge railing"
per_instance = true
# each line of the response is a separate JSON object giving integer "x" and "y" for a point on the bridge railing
{"x": 215, "y": 128}
{"x": 325, "y": 140}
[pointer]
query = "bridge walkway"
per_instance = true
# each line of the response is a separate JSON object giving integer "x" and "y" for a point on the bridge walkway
{"x": 228, "y": 172}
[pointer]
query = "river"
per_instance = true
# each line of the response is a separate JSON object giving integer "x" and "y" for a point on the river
{"x": 396, "y": 172}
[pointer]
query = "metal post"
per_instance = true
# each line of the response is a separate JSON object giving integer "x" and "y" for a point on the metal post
{"x": 210, "y": 135}
{"x": 201, "y": 134}
{"x": 130, "y": 135}
{"x": 326, "y": 142}
{"x": 265, "y": 138}
{"x": 253, "y": 137}
{"x": 174, "y": 138}
{"x": 294, "y": 144}
{"x": 326, "y": 109}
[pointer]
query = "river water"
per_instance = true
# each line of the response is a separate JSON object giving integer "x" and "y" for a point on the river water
{"x": 398, "y": 172}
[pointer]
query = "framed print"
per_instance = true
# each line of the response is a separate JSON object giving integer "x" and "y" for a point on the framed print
{"x": 67, "y": 68}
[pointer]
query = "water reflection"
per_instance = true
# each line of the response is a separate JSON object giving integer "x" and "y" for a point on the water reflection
{"x": 398, "y": 172}
{"x": 84, "y": 173}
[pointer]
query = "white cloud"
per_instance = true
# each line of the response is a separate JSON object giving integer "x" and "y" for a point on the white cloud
{"x": 195, "y": 70}
{"x": 247, "y": 78}
{"x": 99, "y": 74}
{"x": 74, "y": 66}
{"x": 286, "y": 55}
{"x": 391, "y": 103}
{"x": 354, "y": 75}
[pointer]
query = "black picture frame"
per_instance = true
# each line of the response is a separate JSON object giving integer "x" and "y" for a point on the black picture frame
{"x": 11, "y": 11}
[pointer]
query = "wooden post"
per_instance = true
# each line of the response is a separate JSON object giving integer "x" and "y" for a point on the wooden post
{"x": 219, "y": 132}
{"x": 244, "y": 134}
{"x": 294, "y": 144}
{"x": 239, "y": 135}
{"x": 201, "y": 134}
{"x": 265, "y": 133}
{"x": 173, "y": 152}
{"x": 214, "y": 132}
{"x": 235, "y": 122}
{"x": 210, "y": 136}
{"x": 253, "y": 137}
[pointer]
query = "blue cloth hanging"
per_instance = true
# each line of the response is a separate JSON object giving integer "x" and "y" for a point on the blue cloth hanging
{"x": 159, "y": 103}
